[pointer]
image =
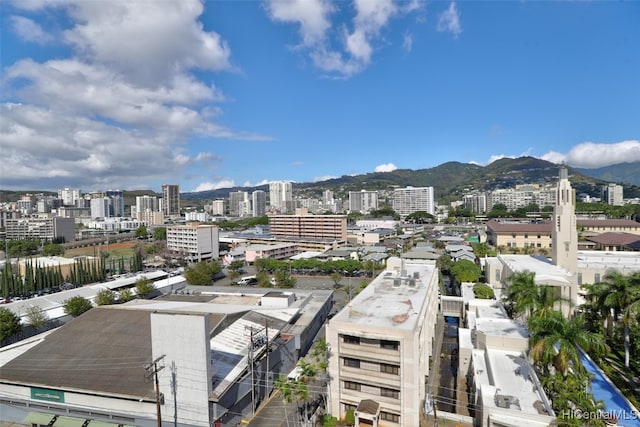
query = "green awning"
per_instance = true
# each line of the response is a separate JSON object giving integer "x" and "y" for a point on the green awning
{"x": 95, "y": 423}
{"x": 38, "y": 418}
{"x": 69, "y": 422}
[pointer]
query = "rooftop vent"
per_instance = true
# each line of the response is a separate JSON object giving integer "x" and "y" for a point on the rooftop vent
{"x": 396, "y": 282}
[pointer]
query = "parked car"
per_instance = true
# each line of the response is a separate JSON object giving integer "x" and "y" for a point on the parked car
{"x": 248, "y": 281}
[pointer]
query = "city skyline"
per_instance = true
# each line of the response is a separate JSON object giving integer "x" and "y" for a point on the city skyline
{"x": 134, "y": 95}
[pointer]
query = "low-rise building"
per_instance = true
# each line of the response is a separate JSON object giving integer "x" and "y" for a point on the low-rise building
{"x": 381, "y": 345}
{"x": 197, "y": 242}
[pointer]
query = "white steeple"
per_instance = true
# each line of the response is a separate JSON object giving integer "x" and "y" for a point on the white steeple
{"x": 564, "y": 232}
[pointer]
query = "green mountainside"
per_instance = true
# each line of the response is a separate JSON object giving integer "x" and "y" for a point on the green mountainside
{"x": 450, "y": 181}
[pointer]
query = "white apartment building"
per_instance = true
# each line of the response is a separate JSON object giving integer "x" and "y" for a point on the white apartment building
{"x": 381, "y": 343}
{"x": 70, "y": 196}
{"x": 46, "y": 227}
{"x": 100, "y": 207}
{"x": 363, "y": 201}
{"x": 145, "y": 202}
{"x": 476, "y": 203}
{"x": 522, "y": 196}
{"x": 413, "y": 199}
{"x": 216, "y": 207}
{"x": 197, "y": 242}
{"x": 258, "y": 203}
{"x": 281, "y": 195}
{"x": 612, "y": 194}
{"x": 197, "y": 216}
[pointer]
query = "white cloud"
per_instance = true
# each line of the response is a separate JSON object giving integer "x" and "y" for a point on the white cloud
{"x": 29, "y": 30}
{"x": 311, "y": 15}
{"x": 257, "y": 184}
{"x": 319, "y": 35}
{"x": 207, "y": 186}
{"x": 148, "y": 41}
{"x": 122, "y": 107}
{"x": 387, "y": 167}
{"x": 449, "y": 20}
{"x": 594, "y": 155}
{"x": 323, "y": 178}
{"x": 407, "y": 42}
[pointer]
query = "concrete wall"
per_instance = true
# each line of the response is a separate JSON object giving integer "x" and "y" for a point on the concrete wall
{"x": 182, "y": 340}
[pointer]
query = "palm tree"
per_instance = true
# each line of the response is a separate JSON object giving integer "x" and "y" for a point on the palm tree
{"x": 529, "y": 299}
{"x": 618, "y": 299}
{"x": 556, "y": 342}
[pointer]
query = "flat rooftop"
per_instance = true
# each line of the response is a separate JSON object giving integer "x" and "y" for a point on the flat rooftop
{"x": 546, "y": 272}
{"x": 391, "y": 300}
{"x": 622, "y": 261}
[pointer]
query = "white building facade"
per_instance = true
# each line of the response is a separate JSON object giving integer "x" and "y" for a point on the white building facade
{"x": 197, "y": 242}
{"x": 381, "y": 343}
{"x": 413, "y": 199}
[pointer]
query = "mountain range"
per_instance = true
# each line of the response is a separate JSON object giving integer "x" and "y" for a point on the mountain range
{"x": 450, "y": 180}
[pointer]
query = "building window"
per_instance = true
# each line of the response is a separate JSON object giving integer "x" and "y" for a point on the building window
{"x": 389, "y": 392}
{"x": 350, "y": 339}
{"x": 348, "y": 407}
{"x": 389, "y": 369}
{"x": 387, "y": 416}
{"x": 352, "y": 363}
{"x": 596, "y": 278}
{"x": 389, "y": 345}
{"x": 350, "y": 385}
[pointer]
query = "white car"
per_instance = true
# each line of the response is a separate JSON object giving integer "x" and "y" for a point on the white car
{"x": 248, "y": 280}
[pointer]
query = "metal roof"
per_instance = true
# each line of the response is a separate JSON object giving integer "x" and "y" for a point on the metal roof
{"x": 103, "y": 350}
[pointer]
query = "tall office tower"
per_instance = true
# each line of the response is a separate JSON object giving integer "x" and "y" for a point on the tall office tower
{"x": 100, "y": 207}
{"x": 612, "y": 194}
{"x": 259, "y": 202}
{"x": 238, "y": 203}
{"x": 281, "y": 195}
{"x": 363, "y": 201}
{"x": 171, "y": 199}
{"x": 476, "y": 203}
{"x": 69, "y": 196}
{"x": 116, "y": 203}
{"x": 413, "y": 199}
{"x": 147, "y": 203}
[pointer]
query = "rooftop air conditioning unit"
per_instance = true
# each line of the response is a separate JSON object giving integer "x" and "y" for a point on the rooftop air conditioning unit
{"x": 396, "y": 282}
{"x": 503, "y": 401}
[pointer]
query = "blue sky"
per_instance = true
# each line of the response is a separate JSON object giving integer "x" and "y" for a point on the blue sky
{"x": 131, "y": 95}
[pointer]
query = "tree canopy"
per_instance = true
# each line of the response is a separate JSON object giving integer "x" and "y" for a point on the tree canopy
{"x": 201, "y": 273}
{"x": 9, "y": 323}
{"x": 465, "y": 271}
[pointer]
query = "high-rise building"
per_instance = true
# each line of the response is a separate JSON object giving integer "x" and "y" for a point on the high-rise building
{"x": 259, "y": 203}
{"x": 612, "y": 194}
{"x": 70, "y": 196}
{"x": 281, "y": 195}
{"x": 100, "y": 208}
{"x": 216, "y": 207}
{"x": 238, "y": 201}
{"x": 413, "y": 199}
{"x": 171, "y": 199}
{"x": 363, "y": 201}
{"x": 145, "y": 202}
{"x": 116, "y": 202}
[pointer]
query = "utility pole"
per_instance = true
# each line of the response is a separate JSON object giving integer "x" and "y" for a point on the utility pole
{"x": 174, "y": 386}
{"x": 152, "y": 372}
{"x": 253, "y": 391}
{"x": 266, "y": 375}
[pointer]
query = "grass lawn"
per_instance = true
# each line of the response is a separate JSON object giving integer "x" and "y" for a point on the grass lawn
{"x": 116, "y": 250}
